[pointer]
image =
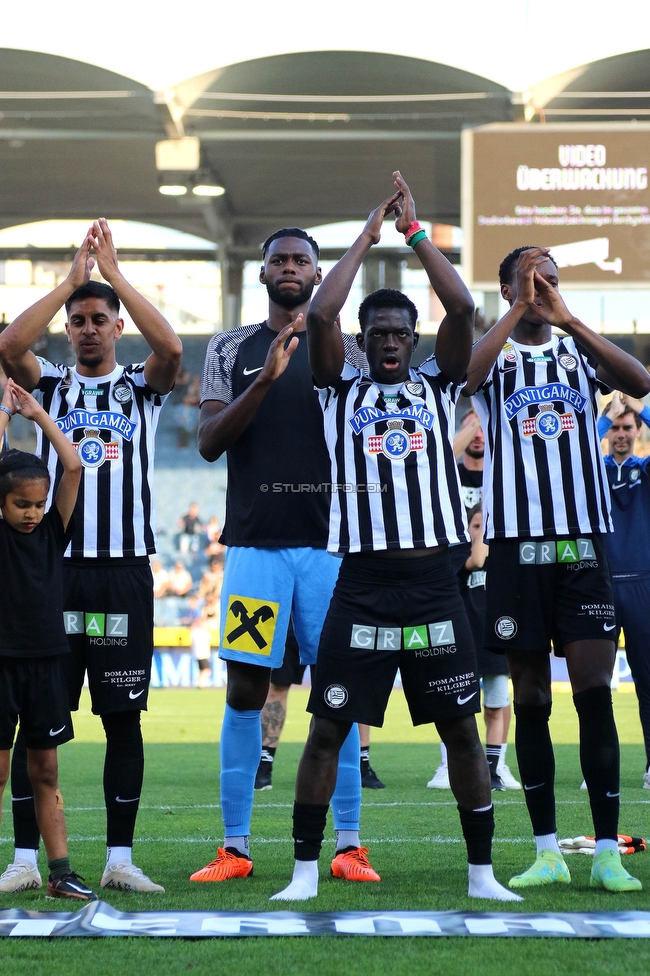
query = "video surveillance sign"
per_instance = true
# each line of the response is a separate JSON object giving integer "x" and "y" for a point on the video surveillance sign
{"x": 581, "y": 190}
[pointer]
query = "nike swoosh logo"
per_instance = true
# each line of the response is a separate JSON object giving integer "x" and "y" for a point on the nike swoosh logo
{"x": 612, "y": 795}
{"x": 535, "y": 787}
{"x": 342, "y": 813}
{"x": 52, "y": 732}
{"x": 621, "y": 485}
{"x": 118, "y": 799}
{"x": 463, "y": 701}
{"x": 18, "y": 799}
{"x": 609, "y": 626}
{"x": 137, "y": 694}
{"x": 247, "y": 372}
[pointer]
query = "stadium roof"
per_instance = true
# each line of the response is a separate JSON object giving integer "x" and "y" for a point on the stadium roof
{"x": 306, "y": 138}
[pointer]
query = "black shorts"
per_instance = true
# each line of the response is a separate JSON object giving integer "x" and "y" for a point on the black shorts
{"x": 291, "y": 671}
{"x": 33, "y": 689}
{"x": 387, "y": 614}
{"x": 551, "y": 589}
{"x": 108, "y": 618}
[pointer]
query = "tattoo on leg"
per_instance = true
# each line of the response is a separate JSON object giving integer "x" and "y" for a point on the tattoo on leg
{"x": 273, "y": 716}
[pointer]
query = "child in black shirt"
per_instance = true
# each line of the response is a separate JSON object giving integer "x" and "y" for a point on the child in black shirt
{"x": 32, "y": 636}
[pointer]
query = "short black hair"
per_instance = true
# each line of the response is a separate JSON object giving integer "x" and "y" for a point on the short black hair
{"x": 95, "y": 289}
{"x": 387, "y": 298}
{"x": 291, "y": 232}
{"x": 507, "y": 266}
{"x": 474, "y": 510}
{"x": 16, "y": 466}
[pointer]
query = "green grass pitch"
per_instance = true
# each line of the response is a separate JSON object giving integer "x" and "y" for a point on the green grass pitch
{"x": 412, "y": 832}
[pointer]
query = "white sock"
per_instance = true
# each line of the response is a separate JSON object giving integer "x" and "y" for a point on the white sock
{"x": 239, "y": 843}
{"x": 443, "y": 754}
{"x": 26, "y": 854}
{"x": 547, "y": 842}
{"x": 483, "y": 884}
{"x": 346, "y": 838}
{"x": 116, "y": 854}
{"x": 502, "y": 757}
{"x": 606, "y": 845}
{"x": 304, "y": 883}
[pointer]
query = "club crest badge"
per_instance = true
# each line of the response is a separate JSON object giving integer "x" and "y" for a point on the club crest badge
{"x": 396, "y": 443}
{"x": 415, "y": 389}
{"x": 635, "y": 474}
{"x": 92, "y": 451}
{"x": 122, "y": 393}
{"x": 568, "y": 362}
{"x": 548, "y": 424}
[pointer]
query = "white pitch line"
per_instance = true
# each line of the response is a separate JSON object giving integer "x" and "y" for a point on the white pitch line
{"x": 366, "y": 806}
{"x": 288, "y": 840}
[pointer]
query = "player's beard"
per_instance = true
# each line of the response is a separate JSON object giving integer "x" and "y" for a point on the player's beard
{"x": 474, "y": 454}
{"x": 291, "y": 299}
{"x": 90, "y": 359}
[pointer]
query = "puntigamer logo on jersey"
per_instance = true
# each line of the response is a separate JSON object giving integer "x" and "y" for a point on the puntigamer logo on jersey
{"x": 548, "y": 422}
{"x": 92, "y": 450}
{"x": 107, "y": 629}
{"x": 426, "y": 640}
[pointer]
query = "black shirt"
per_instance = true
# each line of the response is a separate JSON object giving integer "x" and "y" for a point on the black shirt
{"x": 471, "y": 486}
{"x": 278, "y": 493}
{"x": 31, "y": 595}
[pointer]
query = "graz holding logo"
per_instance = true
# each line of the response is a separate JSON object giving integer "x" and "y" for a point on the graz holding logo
{"x": 425, "y": 640}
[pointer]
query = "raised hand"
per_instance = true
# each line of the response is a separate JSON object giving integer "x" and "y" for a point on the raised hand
{"x": 278, "y": 356}
{"x": 28, "y": 406}
{"x": 526, "y": 279}
{"x": 406, "y": 210}
{"x": 82, "y": 263}
{"x": 7, "y": 398}
{"x": 104, "y": 248}
{"x": 376, "y": 219}
{"x": 552, "y": 307}
{"x": 631, "y": 403}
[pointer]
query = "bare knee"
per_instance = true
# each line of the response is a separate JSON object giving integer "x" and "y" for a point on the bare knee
{"x": 248, "y": 686}
{"x": 325, "y": 738}
{"x": 43, "y": 767}
{"x": 531, "y": 677}
{"x": 460, "y": 736}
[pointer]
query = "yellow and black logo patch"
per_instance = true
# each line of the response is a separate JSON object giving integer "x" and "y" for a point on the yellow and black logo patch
{"x": 250, "y": 625}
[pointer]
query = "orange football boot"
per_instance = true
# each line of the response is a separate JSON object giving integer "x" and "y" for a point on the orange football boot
{"x": 228, "y": 863}
{"x": 352, "y": 864}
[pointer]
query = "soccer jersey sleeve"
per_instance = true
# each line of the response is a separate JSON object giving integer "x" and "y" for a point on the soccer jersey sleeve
{"x": 216, "y": 383}
{"x": 135, "y": 373}
{"x": 431, "y": 368}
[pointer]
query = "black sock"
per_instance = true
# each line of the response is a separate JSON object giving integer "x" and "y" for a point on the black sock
{"x": 493, "y": 754}
{"x": 308, "y": 830}
{"x": 478, "y": 830}
{"x": 536, "y": 765}
{"x": 123, "y": 775}
{"x": 26, "y": 832}
{"x": 600, "y": 758}
{"x": 268, "y": 754}
{"x": 59, "y": 868}
{"x": 364, "y": 755}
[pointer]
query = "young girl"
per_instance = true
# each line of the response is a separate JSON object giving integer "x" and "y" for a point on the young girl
{"x": 32, "y": 636}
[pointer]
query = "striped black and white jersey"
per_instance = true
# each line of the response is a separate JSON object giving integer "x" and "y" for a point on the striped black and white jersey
{"x": 544, "y": 472}
{"x": 112, "y": 422}
{"x": 394, "y": 478}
